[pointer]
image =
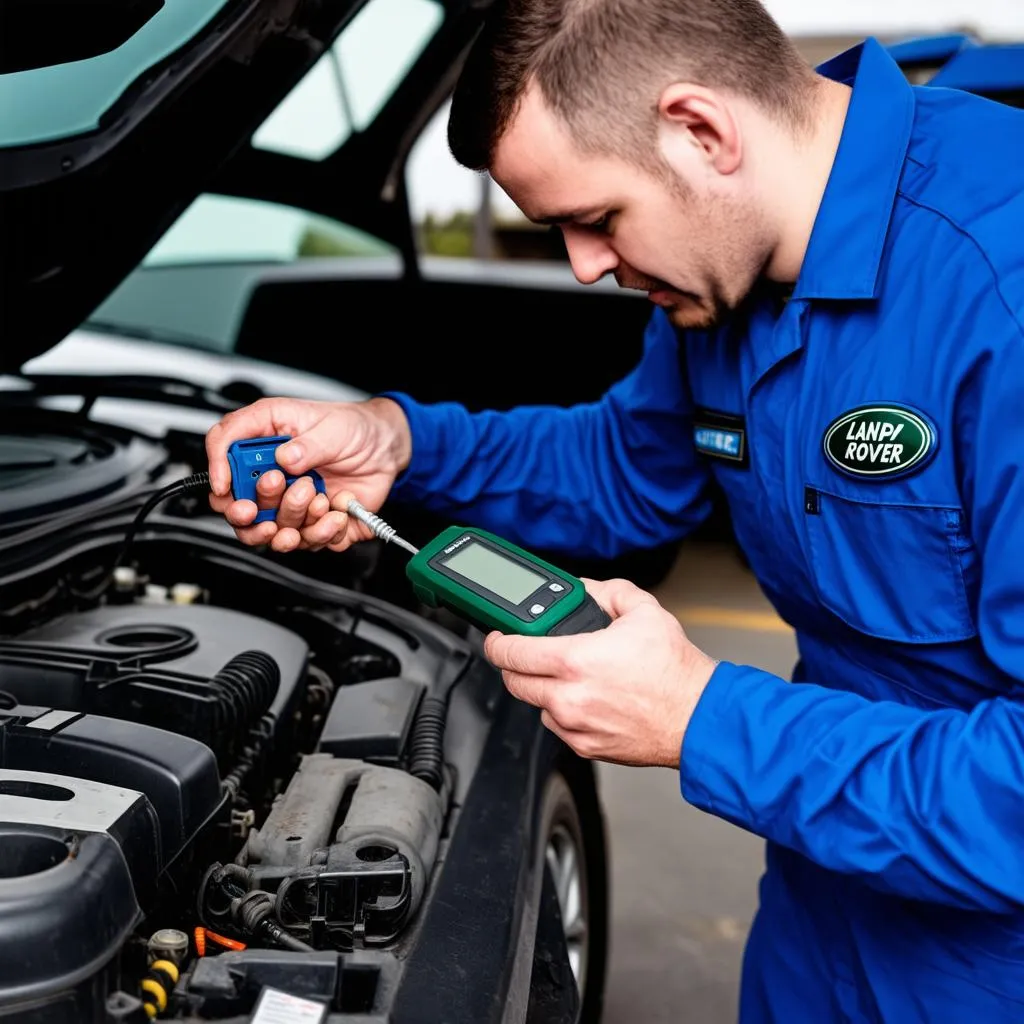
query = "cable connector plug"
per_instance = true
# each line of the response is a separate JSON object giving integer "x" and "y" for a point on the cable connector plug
{"x": 380, "y": 529}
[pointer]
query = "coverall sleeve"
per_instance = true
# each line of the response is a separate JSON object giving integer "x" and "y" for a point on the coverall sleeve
{"x": 594, "y": 479}
{"x": 926, "y": 804}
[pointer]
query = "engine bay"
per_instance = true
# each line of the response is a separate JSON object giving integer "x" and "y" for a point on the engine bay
{"x": 217, "y": 772}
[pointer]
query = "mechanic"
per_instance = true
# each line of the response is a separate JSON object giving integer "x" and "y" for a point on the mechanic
{"x": 837, "y": 263}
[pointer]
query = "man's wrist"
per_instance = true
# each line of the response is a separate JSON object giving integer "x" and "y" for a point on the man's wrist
{"x": 696, "y": 675}
{"x": 397, "y": 435}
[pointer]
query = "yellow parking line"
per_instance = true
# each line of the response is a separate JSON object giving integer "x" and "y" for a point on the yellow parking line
{"x": 730, "y": 618}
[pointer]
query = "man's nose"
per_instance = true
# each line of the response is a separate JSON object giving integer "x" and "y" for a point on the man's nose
{"x": 590, "y": 255}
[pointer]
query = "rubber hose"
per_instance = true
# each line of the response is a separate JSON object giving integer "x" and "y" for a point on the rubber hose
{"x": 284, "y": 939}
{"x": 254, "y": 911}
{"x": 426, "y": 749}
{"x": 245, "y": 688}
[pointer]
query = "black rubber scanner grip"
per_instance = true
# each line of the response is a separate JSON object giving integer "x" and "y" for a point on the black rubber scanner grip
{"x": 588, "y": 618}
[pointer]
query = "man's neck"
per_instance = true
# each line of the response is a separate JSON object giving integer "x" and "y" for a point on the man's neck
{"x": 801, "y": 173}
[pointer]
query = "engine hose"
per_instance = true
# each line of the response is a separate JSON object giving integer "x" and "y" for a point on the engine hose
{"x": 278, "y": 935}
{"x": 245, "y": 688}
{"x": 254, "y": 914}
{"x": 157, "y": 985}
{"x": 252, "y": 755}
{"x": 426, "y": 748}
{"x": 240, "y": 874}
{"x": 252, "y": 909}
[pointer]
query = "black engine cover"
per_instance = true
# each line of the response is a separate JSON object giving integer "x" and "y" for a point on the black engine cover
{"x": 207, "y": 672}
{"x": 117, "y": 727}
{"x": 92, "y": 812}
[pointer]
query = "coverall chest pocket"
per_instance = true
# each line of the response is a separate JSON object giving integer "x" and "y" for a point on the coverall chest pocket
{"x": 896, "y": 572}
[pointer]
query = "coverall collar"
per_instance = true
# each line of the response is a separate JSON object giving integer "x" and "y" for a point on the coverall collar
{"x": 845, "y": 251}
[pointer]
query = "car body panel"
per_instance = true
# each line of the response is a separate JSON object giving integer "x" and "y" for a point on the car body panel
{"x": 991, "y": 71}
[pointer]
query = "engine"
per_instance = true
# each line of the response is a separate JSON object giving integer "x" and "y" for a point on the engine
{"x": 243, "y": 761}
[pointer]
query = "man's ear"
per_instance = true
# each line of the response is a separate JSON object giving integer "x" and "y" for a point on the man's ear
{"x": 694, "y": 121}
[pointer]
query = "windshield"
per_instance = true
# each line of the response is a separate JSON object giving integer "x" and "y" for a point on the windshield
{"x": 57, "y": 102}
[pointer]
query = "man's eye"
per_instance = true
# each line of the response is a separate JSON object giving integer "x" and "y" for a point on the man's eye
{"x": 601, "y": 224}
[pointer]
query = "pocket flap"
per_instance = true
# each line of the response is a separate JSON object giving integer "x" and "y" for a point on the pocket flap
{"x": 896, "y": 572}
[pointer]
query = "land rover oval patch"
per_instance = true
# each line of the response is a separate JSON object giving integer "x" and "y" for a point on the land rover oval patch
{"x": 879, "y": 441}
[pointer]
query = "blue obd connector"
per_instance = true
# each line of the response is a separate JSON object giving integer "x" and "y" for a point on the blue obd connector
{"x": 250, "y": 459}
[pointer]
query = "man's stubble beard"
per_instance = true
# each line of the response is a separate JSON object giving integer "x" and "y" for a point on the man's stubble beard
{"x": 741, "y": 228}
{"x": 705, "y": 316}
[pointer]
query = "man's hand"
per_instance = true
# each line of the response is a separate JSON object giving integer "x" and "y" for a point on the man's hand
{"x": 623, "y": 694}
{"x": 359, "y": 448}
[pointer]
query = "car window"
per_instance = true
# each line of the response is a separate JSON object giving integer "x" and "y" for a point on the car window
{"x": 218, "y": 229}
{"x": 193, "y": 286}
{"x": 346, "y": 88}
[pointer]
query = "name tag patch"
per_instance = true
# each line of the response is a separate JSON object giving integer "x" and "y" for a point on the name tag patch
{"x": 721, "y": 435}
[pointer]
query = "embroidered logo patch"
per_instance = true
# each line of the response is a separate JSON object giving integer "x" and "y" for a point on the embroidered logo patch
{"x": 721, "y": 435}
{"x": 879, "y": 441}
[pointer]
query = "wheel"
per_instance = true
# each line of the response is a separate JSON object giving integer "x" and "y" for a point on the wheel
{"x": 574, "y": 850}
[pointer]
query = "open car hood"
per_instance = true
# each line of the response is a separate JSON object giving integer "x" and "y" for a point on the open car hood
{"x": 106, "y": 138}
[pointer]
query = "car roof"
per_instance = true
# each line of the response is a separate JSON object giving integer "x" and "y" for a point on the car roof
{"x": 961, "y": 61}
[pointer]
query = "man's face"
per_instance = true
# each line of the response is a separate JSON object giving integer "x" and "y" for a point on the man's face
{"x": 692, "y": 240}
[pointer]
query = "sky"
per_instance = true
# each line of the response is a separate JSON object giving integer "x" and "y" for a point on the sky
{"x": 437, "y": 184}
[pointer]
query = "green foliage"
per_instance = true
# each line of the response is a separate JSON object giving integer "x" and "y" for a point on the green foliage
{"x": 323, "y": 241}
{"x": 450, "y": 237}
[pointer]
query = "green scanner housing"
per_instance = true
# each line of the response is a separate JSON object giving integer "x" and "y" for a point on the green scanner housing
{"x": 496, "y": 585}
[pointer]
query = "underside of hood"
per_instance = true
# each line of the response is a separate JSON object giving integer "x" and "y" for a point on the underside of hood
{"x": 100, "y": 153}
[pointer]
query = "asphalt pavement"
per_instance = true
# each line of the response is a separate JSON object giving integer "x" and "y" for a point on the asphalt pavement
{"x": 684, "y": 883}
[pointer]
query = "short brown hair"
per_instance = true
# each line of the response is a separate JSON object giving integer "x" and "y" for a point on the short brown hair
{"x": 598, "y": 63}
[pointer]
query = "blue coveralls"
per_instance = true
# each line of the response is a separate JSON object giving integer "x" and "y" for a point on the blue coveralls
{"x": 889, "y": 783}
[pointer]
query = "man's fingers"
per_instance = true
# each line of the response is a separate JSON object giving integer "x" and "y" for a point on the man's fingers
{"x": 325, "y": 530}
{"x": 576, "y": 741}
{"x": 318, "y": 508}
{"x": 256, "y": 420}
{"x": 220, "y": 503}
{"x": 342, "y": 542}
{"x": 270, "y": 489}
{"x": 617, "y": 597}
{"x": 256, "y": 536}
{"x": 531, "y": 655}
{"x": 314, "y": 447}
{"x": 241, "y": 513}
{"x": 286, "y": 539}
{"x": 340, "y": 503}
{"x": 548, "y": 721}
{"x": 295, "y": 504}
{"x": 529, "y": 689}
{"x": 341, "y": 499}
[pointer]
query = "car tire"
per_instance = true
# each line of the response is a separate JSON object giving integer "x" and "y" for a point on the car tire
{"x": 573, "y": 844}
